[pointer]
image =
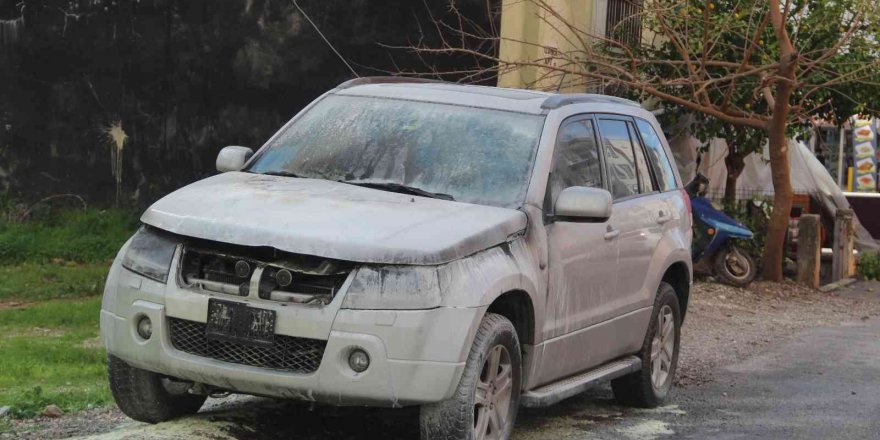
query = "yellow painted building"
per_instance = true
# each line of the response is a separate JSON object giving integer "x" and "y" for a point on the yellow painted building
{"x": 530, "y": 34}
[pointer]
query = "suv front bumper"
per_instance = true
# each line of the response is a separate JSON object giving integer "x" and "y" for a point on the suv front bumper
{"x": 416, "y": 356}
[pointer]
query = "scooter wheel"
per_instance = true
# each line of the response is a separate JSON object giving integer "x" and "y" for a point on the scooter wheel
{"x": 735, "y": 266}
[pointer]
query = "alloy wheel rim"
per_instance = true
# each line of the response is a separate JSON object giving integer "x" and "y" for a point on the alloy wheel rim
{"x": 662, "y": 348}
{"x": 493, "y": 394}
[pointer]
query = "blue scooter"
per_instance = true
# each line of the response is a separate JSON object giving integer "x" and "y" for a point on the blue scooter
{"x": 715, "y": 236}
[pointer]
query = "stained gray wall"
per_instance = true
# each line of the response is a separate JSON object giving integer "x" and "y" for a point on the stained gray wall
{"x": 181, "y": 78}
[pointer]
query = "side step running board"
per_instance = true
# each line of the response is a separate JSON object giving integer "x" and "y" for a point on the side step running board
{"x": 549, "y": 394}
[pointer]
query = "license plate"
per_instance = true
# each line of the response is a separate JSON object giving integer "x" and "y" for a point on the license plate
{"x": 236, "y": 322}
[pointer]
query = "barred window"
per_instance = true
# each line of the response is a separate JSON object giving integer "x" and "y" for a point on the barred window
{"x": 624, "y": 22}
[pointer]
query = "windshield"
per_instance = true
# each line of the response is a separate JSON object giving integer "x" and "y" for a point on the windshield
{"x": 473, "y": 155}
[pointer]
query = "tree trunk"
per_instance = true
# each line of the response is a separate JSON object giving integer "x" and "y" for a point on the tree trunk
{"x": 777, "y": 228}
{"x": 780, "y": 168}
{"x": 734, "y": 162}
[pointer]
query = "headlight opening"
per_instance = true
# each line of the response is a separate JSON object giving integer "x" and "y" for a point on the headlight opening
{"x": 150, "y": 254}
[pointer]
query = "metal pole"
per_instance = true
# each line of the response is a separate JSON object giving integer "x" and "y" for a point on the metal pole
{"x": 840, "y": 181}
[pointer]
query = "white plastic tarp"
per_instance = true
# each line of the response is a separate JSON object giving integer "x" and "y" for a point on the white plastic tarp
{"x": 808, "y": 175}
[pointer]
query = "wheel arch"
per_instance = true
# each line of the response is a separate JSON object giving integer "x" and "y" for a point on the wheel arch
{"x": 516, "y": 305}
{"x": 678, "y": 275}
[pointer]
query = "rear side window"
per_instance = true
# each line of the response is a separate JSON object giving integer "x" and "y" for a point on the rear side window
{"x": 619, "y": 160}
{"x": 657, "y": 156}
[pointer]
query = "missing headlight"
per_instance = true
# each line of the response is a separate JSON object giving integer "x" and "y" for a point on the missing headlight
{"x": 150, "y": 254}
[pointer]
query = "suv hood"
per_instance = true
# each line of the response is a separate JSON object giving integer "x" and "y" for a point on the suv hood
{"x": 331, "y": 219}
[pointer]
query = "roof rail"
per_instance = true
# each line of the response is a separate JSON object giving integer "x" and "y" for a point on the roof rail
{"x": 556, "y": 101}
{"x": 385, "y": 80}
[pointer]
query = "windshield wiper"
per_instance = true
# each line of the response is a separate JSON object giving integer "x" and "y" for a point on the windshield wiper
{"x": 281, "y": 173}
{"x": 399, "y": 188}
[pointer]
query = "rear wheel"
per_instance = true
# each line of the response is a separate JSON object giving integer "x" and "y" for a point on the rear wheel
{"x": 735, "y": 266}
{"x": 487, "y": 399}
{"x": 650, "y": 386}
{"x": 150, "y": 397}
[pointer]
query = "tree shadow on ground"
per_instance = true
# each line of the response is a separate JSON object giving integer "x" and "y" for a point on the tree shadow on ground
{"x": 248, "y": 418}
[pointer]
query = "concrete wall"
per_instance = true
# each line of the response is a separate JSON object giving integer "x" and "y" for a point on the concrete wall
{"x": 178, "y": 80}
{"x": 525, "y": 26}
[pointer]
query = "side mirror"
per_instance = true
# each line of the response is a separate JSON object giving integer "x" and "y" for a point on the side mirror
{"x": 233, "y": 158}
{"x": 583, "y": 203}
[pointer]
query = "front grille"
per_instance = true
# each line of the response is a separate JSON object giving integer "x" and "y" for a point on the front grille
{"x": 297, "y": 355}
{"x": 279, "y": 276}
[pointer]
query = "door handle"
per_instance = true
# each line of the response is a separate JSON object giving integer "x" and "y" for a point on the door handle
{"x": 663, "y": 218}
{"x": 611, "y": 233}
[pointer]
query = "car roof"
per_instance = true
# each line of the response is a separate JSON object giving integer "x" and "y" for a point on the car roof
{"x": 500, "y": 98}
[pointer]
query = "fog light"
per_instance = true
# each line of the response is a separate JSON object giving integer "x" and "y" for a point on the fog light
{"x": 145, "y": 327}
{"x": 359, "y": 360}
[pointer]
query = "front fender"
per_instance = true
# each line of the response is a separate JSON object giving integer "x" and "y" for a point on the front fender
{"x": 108, "y": 299}
{"x": 733, "y": 231}
{"x": 476, "y": 281}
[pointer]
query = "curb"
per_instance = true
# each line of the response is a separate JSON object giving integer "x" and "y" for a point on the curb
{"x": 837, "y": 285}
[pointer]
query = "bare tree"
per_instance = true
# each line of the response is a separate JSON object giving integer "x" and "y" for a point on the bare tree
{"x": 761, "y": 64}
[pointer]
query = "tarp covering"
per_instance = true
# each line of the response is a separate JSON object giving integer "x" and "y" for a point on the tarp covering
{"x": 808, "y": 176}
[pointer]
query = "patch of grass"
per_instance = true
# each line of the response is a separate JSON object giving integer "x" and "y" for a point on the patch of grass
{"x": 59, "y": 253}
{"x": 88, "y": 236}
{"x": 755, "y": 214}
{"x": 50, "y": 352}
{"x": 51, "y": 355}
{"x": 37, "y": 281}
{"x": 869, "y": 265}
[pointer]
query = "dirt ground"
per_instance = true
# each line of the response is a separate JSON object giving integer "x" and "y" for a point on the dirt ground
{"x": 723, "y": 325}
{"x": 726, "y": 324}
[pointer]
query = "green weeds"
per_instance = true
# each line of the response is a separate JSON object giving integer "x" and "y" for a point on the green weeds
{"x": 52, "y": 355}
{"x": 52, "y": 269}
{"x": 869, "y": 265}
{"x": 80, "y": 236}
{"x": 29, "y": 282}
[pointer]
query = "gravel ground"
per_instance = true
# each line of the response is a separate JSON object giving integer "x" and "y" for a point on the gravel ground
{"x": 92, "y": 421}
{"x": 726, "y": 324}
{"x": 723, "y": 325}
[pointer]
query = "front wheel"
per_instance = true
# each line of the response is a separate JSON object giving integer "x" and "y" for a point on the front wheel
{"x": 150, "y": 397}
{"x": 486, "y": 401}
{"x": 735, "y": 266}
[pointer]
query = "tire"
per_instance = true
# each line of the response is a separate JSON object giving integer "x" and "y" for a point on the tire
{"x": 456, "y": 418}
{"x": 735, "y": 266}
{"x": 149, "y": 397}
{"x": 639, "y": 388}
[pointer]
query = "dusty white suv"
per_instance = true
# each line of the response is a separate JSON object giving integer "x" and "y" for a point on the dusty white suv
{"x": 465, "y": 249}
